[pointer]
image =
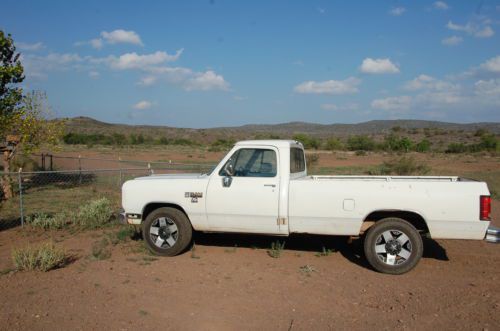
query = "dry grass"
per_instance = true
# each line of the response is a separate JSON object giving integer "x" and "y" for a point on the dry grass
{"x": 43, "y": 257}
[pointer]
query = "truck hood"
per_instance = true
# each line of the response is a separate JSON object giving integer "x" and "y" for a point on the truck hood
{"x": 172, "y": 176}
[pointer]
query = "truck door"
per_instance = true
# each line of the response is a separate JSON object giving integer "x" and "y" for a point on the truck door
{"x": 244, "y": 195}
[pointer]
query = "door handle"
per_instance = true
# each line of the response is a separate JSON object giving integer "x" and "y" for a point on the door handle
{"x": 270, "y": 185}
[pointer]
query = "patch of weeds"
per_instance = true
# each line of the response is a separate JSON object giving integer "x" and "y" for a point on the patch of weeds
{"x": 101, "y": 250}
{"x": 132, "y": 259}
{"x": 97, "y": 285}
{"x": 94, "y": 214}
{"x": 6, "y": 271}
{"x": 307, "y": 270}
{"x": 193, "y": 252}
{"x": 126, "y": 281}
{"x": 276, "y": 249}
{"x": 48, "y": 222}
{"x": 324, "y": 252}
{"x": 158, "y": 280}
{"x": 43, "y": 257}
{"x": 149, "y": 258}
{"x": 30, "y": 292}
{"x": 125, "y": 233}
{"x": 231, "y": 250}
{"x": 143, "y": 312}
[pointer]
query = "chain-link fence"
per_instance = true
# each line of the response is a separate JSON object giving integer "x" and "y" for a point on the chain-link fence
{"x": 50, "y": 192}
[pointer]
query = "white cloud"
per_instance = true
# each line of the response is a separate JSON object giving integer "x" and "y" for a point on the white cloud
{"x": 118, "y": 36}
{"x": 488, "y": 88}
{"x": 94, "y": 74}
{"x": 121, "y": 36}
{"x": 492, "y": 65}
{"x": 452, "y": 41}
{"x": 97, "y": 43}
{"x": 397, "y": 11}
{"x": 143, "y": 105}
{"x": 347, "y": 107}
{"x": 441, "y": 5}
{"x": 347, "y": 86}
{"x": 425, "y": 82}
{"x": 486, "y": 32}
{"x": 399, "y": 103}
{"x": 147, "y": 81}
{"x": 378, "y": 66}
{"x": 477, "y": 30}
{"x": 30, "y": 47}
{"x": 136, "y": 61}
{"x": 205, "y": 81}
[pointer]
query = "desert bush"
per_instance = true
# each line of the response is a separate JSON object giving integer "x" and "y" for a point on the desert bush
{"x": 312, "y": 159}
{"x": 276, "y": 249}
{"x": 308, "y": 141}
{"x": 360, "y": 142}
{"x": 456, "y": 148}
{"x": 395, "y": 143}
{"x": 47, "y": 222}
{"x": 94, "y": 214}
{"x": 43, "y": 257}
{"x": 404, "y": 166}
{"x": 334, "y": 144}
{"x": 101, "y": 250}
{"x": 423, "y": 146}
{"x": 221, "y": 144}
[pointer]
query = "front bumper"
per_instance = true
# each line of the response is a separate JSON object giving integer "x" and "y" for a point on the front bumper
{"x": 134, "y": 219}
{"x": 492, "y": 234}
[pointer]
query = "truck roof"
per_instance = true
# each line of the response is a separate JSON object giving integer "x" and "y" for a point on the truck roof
{"x": 273, "y": 142}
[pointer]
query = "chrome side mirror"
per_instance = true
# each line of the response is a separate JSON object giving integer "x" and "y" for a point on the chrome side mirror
{"x": 226, "y": 181}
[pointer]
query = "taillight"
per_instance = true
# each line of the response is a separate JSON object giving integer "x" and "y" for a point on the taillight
{"x": 484, "y": 207}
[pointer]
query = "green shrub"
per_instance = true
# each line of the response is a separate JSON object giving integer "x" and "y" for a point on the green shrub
{"x": 334, "y": 144}
{"x": 360, "y": 143}
{"x": 423, "y": 146}
{"x": 276, "y": 249}
{"x": 43, "y": 257}
{"x": 397, "y": 144}
{"x": 94, "y": 214}
{"x": 308, "y": 141}
{"x": 312, "y": 159}
{"x": 405, "y": 166}
{"x": 456, "y": 148}
{"x": 101, "y": 250}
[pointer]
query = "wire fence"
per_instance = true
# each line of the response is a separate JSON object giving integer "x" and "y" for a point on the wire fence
{"x": 50, "y": 192}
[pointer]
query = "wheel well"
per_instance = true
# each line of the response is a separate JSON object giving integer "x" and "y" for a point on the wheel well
{"x": 155, "y": 205}
{"x": 414, "y": 218}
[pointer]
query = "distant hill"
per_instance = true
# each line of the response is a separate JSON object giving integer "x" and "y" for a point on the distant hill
{"x": 285, "y": 130}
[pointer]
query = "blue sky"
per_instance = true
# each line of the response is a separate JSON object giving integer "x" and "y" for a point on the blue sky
{"x": 224, "y": 63}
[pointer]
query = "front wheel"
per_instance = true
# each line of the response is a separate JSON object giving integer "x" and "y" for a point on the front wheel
{"x": 393, "y": 246}
{"x": 167, "y": 231}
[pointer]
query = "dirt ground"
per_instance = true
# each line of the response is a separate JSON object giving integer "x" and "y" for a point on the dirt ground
{"x": 229, "y": 282}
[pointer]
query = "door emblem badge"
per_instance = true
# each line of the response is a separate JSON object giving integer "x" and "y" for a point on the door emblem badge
{"x": 194, "y": 196}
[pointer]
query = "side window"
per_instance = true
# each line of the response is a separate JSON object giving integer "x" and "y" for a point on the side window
{"x": 297, "y": 163}
{"x": 251, "y": 162}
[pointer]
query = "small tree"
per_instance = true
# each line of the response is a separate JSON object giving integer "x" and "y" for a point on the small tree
{"x": 23, "y": 116}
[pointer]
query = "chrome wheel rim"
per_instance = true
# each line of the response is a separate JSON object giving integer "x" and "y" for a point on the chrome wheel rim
{"x": 163, "y": 232}
{"x": 393, "y": 247}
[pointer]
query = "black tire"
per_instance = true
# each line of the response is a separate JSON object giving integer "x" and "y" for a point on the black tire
{"x": 393, "y": 260}
{"x": 182, "y": 236}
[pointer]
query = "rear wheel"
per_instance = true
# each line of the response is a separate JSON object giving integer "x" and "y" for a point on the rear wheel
{"x": 393, "y": 246}
{"x": 167, "y": 231}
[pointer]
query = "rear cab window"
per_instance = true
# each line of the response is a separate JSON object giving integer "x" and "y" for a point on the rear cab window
{"x": 297, "y": 162}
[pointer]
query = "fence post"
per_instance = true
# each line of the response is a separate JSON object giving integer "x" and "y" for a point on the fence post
{"x": 80, "y": 167}
{"x": 43, "y": 162}
{"x": 51, "y": 162}
{"x": 20, "y": 183}
{"x": 150, "y": 169}
{"x": 121, "y": 172}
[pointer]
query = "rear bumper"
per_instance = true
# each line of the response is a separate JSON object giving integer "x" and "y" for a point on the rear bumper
{"x": 492, "y": 234}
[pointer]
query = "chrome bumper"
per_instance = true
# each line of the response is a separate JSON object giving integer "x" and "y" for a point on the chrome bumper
{"x": 122, "y": 218}
{"x": 134, "y": 219}
{"x": 492, "y": 234}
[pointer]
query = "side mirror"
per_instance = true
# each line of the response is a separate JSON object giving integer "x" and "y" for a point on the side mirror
{"x": 229, "y": 168}
{"x": 226, "y": 181}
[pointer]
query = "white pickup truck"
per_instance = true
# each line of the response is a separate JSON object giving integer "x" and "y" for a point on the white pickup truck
{"x": 262, "y": 186}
